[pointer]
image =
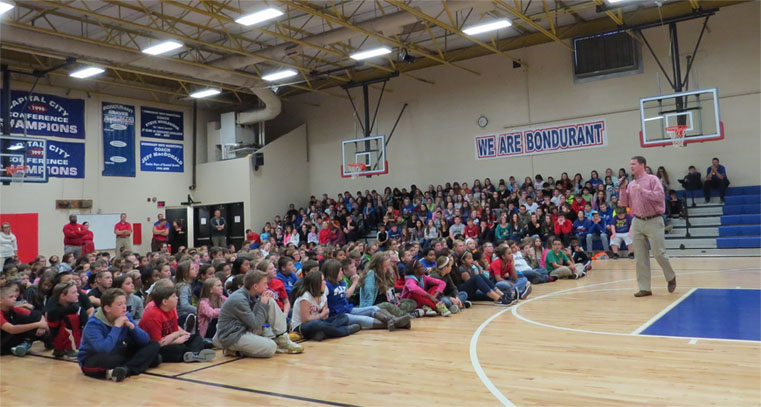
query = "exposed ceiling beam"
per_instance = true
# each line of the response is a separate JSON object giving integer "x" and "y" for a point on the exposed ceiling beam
{"x": 596, "y": 26}
{"x": 450, "y": 28}
{"x": 166, "y": 34}
{"x": 341, "y": 22}
{"x": 527, "y": 20}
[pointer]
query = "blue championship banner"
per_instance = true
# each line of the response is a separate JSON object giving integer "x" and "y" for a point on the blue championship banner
{"x": 161, "y": 157}
{"x": 159, "y": 123}
{"x": 46, "y": 115}
{"x": 66, "y": 160}
{"x": 118, "y": 140}
{"x": 542, "y": 140}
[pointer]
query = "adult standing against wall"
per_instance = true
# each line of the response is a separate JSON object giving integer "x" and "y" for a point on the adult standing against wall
{"x": 644, "y": 195}
{"x": 177, "y": 236}
{"x": 218, "y": 230}
{"x": 160, "y": 234}
{"x": 8, "y": 244}
{"x": 72, "y": 237}
{"x": 123, "y": 232}
{"x": 88, "y": 239}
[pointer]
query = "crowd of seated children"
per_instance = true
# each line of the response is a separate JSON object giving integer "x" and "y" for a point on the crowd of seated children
{"x": 438, "y": 251}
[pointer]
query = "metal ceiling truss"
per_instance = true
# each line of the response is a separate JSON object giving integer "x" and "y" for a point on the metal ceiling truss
{"x": 212, "y": 40}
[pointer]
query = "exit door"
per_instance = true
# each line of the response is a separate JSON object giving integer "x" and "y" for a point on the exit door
{"x": 233, "y": 215}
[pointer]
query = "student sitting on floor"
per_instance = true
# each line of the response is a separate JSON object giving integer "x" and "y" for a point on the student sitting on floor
{"x": 377, "y": 288}
{"x": 349, "y": 267}
{"x": 66, "y": 317}
{"x": 183, "y": 284}
{"x": 506, "y": 278}
{"x": 103, "y": 281}
{"x": 134, "y": 303}
{"x": 240, "y": 322}
{"x": 20, "y": 326}
{"x": 559, "y": 265}
{"x": 311, "y": 314}
{"x": 280, "y": 294}
{"x": 451, "y": 297}
{"x": 287, "y": 273}
{"x": 370, "y": 317}
{"x": 534, "y": 276}
{"x": 160, "y": 322}
{"x": 425, "y": 290}
{"x": 578, "y": 255}
{"x": 113, "y": 345}
{"x": 471, "y": 279}
{"x": 210, "y": 306}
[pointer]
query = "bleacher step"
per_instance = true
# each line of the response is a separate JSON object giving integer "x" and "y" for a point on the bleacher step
{"x": 697, "y": 243}
{"x": 679, "y": 233}
{"x": 697, "y": 222}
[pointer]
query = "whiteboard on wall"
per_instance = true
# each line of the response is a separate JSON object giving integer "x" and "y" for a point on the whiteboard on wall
{"x": 102, "y": 227}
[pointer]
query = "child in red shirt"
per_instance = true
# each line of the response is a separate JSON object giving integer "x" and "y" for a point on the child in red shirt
{"x": 19, "y": 326}
{"x": 160, "y": 322}
{"x": 275, "y": 285}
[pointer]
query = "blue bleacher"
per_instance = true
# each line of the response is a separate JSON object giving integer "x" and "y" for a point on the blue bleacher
{"x": 741, "y": 220}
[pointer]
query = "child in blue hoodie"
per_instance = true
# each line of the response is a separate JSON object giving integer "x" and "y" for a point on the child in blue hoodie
{"x": 581, "y": 227}
{"x": 113, "y": 346}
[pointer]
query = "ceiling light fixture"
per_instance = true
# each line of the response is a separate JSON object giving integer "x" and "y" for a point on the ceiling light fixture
{"x": 5, "y": 6}
{"x": 280, "y": 75}
{"x": 87, "y": 72}
{"x": 370, "y": 53}
{"x": 162, "y": 48}
{"x": 205, "y": 93}
{"x": 491, "y": 26}
{"x": 259, "y": 16}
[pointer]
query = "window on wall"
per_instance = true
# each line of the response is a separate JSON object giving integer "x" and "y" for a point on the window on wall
{"x": 606, "y": 55}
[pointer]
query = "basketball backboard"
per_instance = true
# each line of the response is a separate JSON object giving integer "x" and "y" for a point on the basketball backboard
{"x": 698, "y": 110}
{"x": 23, "y": 159}
{"x": 364, "y": 157}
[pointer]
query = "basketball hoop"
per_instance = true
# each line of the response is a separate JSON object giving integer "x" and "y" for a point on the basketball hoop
{"x": 354, "y": 169}
{"x": 17, "y": 172}
{"x": 676, "y": 133}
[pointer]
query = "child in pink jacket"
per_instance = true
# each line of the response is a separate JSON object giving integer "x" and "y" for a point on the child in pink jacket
{"x": 209, "y": 307}
{"x": 423, "y": 289}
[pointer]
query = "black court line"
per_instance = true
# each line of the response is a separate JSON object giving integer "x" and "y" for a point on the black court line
{"x": 223, "y": 386}
{"x": 263, "y": 392}
{"x": 208, "y": 367}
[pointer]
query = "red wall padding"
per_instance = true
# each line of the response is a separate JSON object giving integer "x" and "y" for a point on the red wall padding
{"x": 25, "y": 227}
{"x": 137, "y": 234}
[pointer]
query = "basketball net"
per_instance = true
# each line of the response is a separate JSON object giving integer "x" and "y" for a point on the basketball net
{"x": 355, "y": 169}
{"x": 17, "y": 172}
{"x": 676, "y": 133}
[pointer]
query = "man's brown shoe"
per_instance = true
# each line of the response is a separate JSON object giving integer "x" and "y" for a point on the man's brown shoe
{"x": 672, "y": 285}
{"x": 643, "y": 293}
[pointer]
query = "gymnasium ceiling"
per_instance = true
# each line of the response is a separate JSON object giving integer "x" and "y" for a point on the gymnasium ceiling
{"x": 220, "y": 53}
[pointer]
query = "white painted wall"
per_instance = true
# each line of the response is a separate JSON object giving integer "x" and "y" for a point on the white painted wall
{"x": 109, "y": 194}
{"x": 264, "y": 192}
{"x": 283, "y": 179}
{"x": 434, "y": 140}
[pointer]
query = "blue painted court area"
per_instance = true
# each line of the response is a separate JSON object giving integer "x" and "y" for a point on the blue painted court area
{"x": 713, "y": 313}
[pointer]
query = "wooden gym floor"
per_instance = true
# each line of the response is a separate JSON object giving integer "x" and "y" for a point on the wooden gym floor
{"x": 570, "y": 344}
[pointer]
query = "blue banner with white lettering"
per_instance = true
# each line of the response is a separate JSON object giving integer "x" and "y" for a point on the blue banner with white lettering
{"x": 535, "y": 140}
{"x": 161, "y": 157}
{"x": 118, "y": 140}
{"x": 46, "y": 115}
{"x": 66, "y": 160}
{"x": 159, "y": 123}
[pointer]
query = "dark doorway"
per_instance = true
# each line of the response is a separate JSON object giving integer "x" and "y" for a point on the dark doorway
{"x": 234, "y": 219}
{"x": 177, "y": 218}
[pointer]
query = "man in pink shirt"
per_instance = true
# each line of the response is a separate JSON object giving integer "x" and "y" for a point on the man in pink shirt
{"x": 646, "y": 199}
